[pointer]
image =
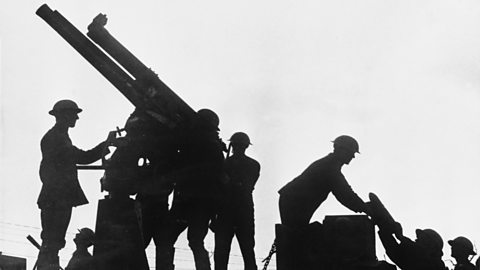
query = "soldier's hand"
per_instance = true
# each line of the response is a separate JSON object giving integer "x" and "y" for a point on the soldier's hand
{"x": 119, "y": 142}
{"x": 398, "y": 230}
{"x": 368, "y": 209}
{"x": 112, "y": 135}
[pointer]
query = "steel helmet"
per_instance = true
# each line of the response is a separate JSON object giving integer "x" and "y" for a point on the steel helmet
{"x": 241, "y": 138}
{"x": 209, "y": 116}
{"x": 136, "y": 121}
{"x": 463, "y": 244}
{"x": 432, "y": 236}
{"x": 86, "y": 235}
{"x": 345, "y": 141}
{"x": 64, "y": 105}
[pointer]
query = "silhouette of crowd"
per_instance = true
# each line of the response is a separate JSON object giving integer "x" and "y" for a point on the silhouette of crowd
{"x": 212, "y": 185}
{"x": 152, "y": 162}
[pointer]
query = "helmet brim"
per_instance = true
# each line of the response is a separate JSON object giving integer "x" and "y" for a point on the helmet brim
{"x": 56, "y": 112}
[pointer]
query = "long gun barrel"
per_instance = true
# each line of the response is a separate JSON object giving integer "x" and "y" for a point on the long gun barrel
{"x": 141, "y": 87}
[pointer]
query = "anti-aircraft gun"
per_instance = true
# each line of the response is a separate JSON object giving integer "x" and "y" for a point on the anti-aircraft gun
{"x": 159, "y": 111}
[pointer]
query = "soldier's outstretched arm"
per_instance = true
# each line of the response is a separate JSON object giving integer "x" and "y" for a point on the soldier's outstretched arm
{"x": 390, "y": 244}
{"x": 90, "y": 156}
{"x": 99, "y": 151}
{"x": 346, "y": 196}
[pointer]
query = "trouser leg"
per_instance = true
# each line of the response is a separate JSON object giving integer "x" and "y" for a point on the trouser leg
{"x": 161, "y": 234}
{"x": 223, "y": 241}
{"x": 155, "y": 226}
{"x": 54, "y": 227}
{"x": 174, "y": 224}
{"x": 148, "y": 222}
{"x": 197, "y": 230}
{"x": 245, "y": 233}
{"x": 165, "y": 251}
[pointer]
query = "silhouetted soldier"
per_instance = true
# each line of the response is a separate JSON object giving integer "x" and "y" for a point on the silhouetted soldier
{"x": 236, "y": 216}
{"x": 300, "y": 198}
{"x": 129, "y": 171}
{"x": 462, "y": 249}
{"x": 81, "y": 258}
{"x": 425, "y": 253}
{"x": 197, "y": 187}
{"x": 61, "y": 190}
{"x": 155, "y": 189}
{"x": 131, "y": 164}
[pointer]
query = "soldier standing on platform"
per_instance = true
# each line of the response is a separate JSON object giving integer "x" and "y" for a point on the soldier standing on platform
{"x": 155, "y": 190}
{"x": 300, "y": 198}
{"x": 236, "y": 215}
{"x": 61, "y": 190}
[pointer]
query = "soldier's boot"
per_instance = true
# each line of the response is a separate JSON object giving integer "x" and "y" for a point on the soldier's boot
{"x": 55, "y": 263}
{"x": 45, "y": 258}
{"x": 202, "y": 260}
{"x": 42, "y": 260}
{"x": 48, "y": 260}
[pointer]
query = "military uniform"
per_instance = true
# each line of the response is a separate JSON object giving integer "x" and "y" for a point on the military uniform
{"x": 153, "y": 196}
{"x": 60, "y": 190}
{"x": 301, "y": 197}
{"x": 196, "y": 193}
{"x": 81, "y": 260}
{"x": 236, "y": 217}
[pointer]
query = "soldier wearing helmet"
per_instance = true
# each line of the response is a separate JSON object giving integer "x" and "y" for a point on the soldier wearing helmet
{"x": 236, "y": 216}
{"x": 81, "y": 258}
{"x": 61, "y": 190}
{"x": 207, "y": 118}
{"x": 425, "y": 253}
{"x": 197, "y": 184}
{"x": 301, "y": 197}
{"x": 462, "y": 249}
{"x": 123, "y": 174}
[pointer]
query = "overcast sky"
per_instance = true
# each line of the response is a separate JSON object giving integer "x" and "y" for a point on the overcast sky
{"x": 403, "y": 77}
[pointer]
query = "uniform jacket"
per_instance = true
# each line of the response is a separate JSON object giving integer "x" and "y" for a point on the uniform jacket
{"x": 58, "y": 171}
{"x": 201, "y": 158}
{"x": 242, "y": 173}
{"x": 81, "y": 260}
{"x": 311, "y": 188}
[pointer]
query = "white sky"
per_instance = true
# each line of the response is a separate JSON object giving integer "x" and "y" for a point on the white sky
{"x": 403, "y": 77}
